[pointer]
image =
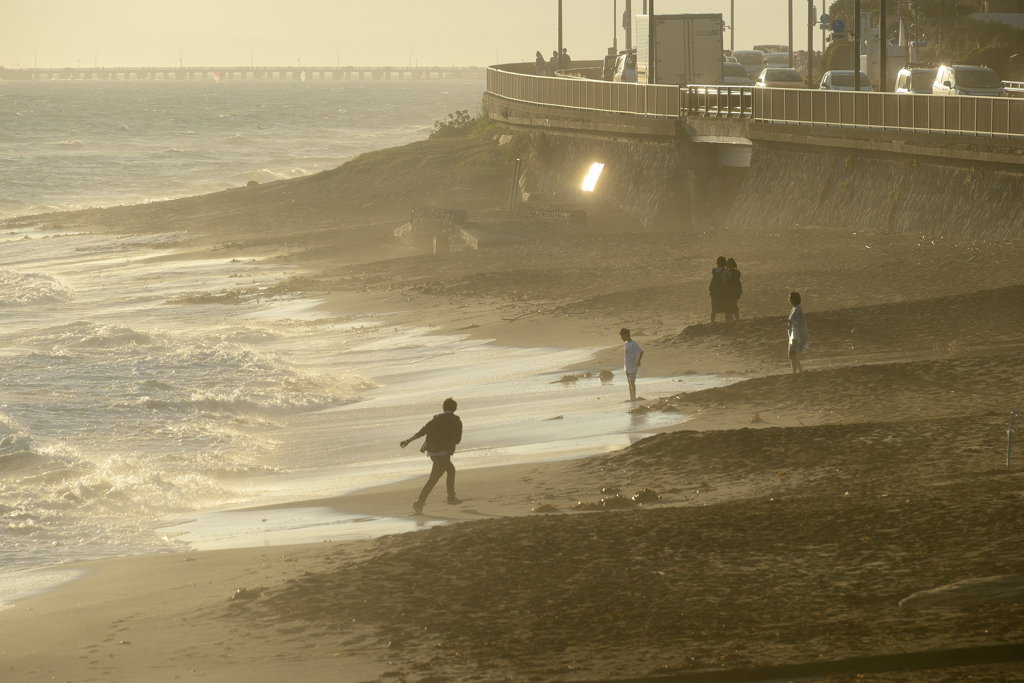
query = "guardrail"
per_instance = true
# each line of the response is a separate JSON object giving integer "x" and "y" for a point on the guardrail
{"x": 1000, "y": 117}
{"x": 720, "y": 102}
{"x": 997, "y": 117}
{"x": 1014, "y": 88}
{"x": 634, "y": 99}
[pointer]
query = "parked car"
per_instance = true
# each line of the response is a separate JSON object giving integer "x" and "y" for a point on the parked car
{"x": 752, "y": 61}
{"x": 625, "y": 68}
{"x": 780, "y": 78}
{"x": 729, "y": 59}
{"x": 769, "y": 49}
{"x": 735, "y": 74}
{"x": 844, "y": 80}
{"x": 960, "y": 79}
{"x": 778, "y": 60}
{"x": 915, "y": 78}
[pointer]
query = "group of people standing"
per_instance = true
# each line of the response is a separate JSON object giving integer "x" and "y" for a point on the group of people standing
{"x": 725, "y": 289}
{"x": 557, "y": 62}
{"x": 444, "y": 431}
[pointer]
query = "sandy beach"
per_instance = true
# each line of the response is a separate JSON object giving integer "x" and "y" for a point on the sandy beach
{"x": 844, "y": 520}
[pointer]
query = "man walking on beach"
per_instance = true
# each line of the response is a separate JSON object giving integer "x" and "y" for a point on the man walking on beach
{"x": 443, "y": 432}
{"x": 633, "y": 355}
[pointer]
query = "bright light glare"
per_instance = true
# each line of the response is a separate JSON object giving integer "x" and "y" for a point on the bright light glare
{"x": 591, "y": 180}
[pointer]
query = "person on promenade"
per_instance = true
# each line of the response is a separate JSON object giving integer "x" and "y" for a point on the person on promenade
{"x": 735, "y": 289}
{"x": 719, "y": 288}
{"x": 633, "y": 354}
{"x": 797, "y": 332}
{"x": 443, "y": 432}
{"x": 553, "y": 66}
{"x": 541, "y": 65}
{"x": 566, "y": 61}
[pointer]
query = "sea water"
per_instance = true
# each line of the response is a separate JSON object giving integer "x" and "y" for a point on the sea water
{"x": 74, "y": 144}
{"x": 133, "y": 421}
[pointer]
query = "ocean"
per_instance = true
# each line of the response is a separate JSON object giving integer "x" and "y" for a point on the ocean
{"x": 75, "y": 144}
{"x": 134, "y": 421}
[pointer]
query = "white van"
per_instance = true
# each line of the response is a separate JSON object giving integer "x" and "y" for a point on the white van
{"x": 959, "y": 79}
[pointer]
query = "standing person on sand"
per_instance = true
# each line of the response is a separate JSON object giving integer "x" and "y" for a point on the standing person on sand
{"x": 735, "y": 289}
{"x": 633, "y": 354}
{"x": 718, "y": 289}
{"x": 797, "y": 332}
{"x": 443, "y": 432}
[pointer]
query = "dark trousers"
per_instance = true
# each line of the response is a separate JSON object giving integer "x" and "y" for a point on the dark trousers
{"x": 442, "y": 464}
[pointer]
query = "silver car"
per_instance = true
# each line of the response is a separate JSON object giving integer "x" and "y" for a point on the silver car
{"x": 752, "y": 61}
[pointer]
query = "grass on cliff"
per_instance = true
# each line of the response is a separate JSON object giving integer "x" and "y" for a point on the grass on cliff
{"x": 468, "y": 171}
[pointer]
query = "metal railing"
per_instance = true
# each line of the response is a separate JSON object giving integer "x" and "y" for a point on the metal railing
{"x": 1000, "y": 117}
{"x": 570, "y": 93}
{"x": 720, "y": 102}
{"x": 997, "y": 117}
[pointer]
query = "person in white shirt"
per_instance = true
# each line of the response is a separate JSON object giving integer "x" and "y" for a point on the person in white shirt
{"x": 633, "y": 355}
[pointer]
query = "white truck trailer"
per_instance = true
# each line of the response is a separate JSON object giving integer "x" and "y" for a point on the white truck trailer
{"x": 687, "y": 51}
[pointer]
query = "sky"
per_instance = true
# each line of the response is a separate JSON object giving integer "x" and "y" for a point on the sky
{"x": 59, "y": 33}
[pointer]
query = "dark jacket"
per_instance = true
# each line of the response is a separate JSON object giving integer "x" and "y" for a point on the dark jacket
{"x": 443, "y": 432}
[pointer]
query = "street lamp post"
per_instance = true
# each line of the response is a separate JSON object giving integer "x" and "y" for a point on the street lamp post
{"x": 615, "y": 26}
{"x": 558, "y": 57}
{"x": 790, "y": 4}
{"x": 627, "y": 25}
{"x": 883, "y": 49}
{"x": 732, "y": 25}
{"x": 856, "y": 51}
{"x": 181, "y": 59}
{"x": 810, "y": 43}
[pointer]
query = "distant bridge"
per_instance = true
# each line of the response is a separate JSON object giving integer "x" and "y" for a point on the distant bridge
{"x": 236, "y": 73}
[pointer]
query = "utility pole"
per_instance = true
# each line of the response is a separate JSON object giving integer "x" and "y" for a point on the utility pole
{"x": 627, "y": 24}
{"x": 558, "y": 58}
{"x": 883, "y": 49}
{"x": 856, "y": 52}
{"x": 790, "y": 3}
{"x": 614, "y": 26}
{"x": 732, "y": 25}
{"x": 810, "y": 43}
{"x": 652, "y": 55}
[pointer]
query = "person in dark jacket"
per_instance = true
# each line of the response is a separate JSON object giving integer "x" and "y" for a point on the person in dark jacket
{"x": 553, "y": 65}
{"x": 719, "y": 289}
{"x": 443, "y": 432}
{"x": 735, "y": 289}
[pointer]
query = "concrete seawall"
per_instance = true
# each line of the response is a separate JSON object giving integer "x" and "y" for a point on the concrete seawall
{"x": 654, "y": 178}
{"x": 904, "y": 194}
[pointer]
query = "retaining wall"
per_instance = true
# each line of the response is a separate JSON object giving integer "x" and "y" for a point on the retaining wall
{"x": 907, "y": 194}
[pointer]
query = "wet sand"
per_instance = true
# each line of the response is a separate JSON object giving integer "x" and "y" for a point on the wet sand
{"x": 795, "y": 513}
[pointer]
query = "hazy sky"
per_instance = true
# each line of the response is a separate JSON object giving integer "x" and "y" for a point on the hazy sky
{"x": 322, "y": 32}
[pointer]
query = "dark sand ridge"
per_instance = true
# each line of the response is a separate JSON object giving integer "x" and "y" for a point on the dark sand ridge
{"x": 782, "y": 545}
